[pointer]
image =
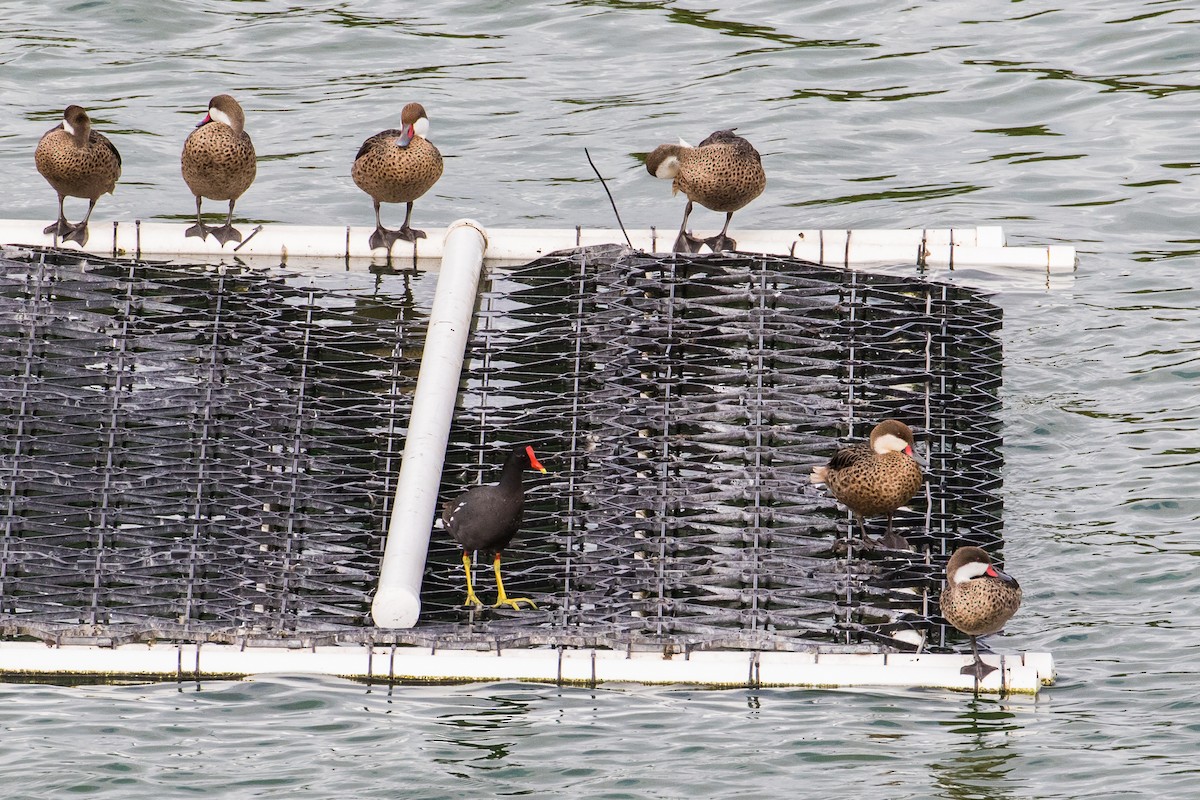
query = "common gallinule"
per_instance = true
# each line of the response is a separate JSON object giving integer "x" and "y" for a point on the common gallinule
{"x": 218, "y": 162}
{"x": 723, "y": 173}
{"x": 978, "y": 600}
{"x": 398, "y": 166}
{"x": 875, "y": 477}
{"x": 487, "y": 517}
{"x": 77, "y": 162}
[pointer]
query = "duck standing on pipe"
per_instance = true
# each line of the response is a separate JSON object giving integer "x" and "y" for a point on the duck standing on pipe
{"x": 487, "y": 517}
{"x": 218, "y": 162}
{"x": 724, "y": 173}
{"x": 398, "y": 166}
{"x": 978, "y": 600}
{"x": 77, "y": 162}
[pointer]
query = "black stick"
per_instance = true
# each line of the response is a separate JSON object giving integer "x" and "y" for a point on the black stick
{"x": 610, "y": 198}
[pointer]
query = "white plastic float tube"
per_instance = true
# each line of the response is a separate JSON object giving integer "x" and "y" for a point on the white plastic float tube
{"x": 1022, "y": 673}
{"x": 397, "y": 601}
{"x": 941, "y": 247}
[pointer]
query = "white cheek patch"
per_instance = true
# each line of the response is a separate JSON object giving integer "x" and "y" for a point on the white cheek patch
{"x": 668, "y": 169}
{"x": 968, "y": 571}
{"x": 220, "y": 116}
{"x": 421, "y": 127}
{"x": 68, "y": 127}
{"x": 890, "y": 443}
{"x": 682, "y": 143}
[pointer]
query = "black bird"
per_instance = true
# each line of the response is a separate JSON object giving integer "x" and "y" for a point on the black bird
{"x": 487, "y": 517}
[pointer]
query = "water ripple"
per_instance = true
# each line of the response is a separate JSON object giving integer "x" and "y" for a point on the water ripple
{"x": 1065, "y": 123}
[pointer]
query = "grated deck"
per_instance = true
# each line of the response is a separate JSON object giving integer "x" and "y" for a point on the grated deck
{"x": 203, "y": 453}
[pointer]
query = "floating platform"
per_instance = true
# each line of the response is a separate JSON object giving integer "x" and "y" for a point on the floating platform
{"x": 245, "y": 462}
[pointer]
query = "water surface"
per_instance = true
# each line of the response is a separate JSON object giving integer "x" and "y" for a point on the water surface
{"x": 1061, "y": 122}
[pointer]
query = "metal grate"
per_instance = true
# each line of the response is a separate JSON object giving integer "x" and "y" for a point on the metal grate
{"x": 205, "y": 453}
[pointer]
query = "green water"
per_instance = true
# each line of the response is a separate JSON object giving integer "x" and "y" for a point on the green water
{"x": 1061, "y": 122}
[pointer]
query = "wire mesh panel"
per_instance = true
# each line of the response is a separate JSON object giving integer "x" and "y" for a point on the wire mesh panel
{"x": 207, "y": 453}
{"x": 680, "y": 404}
{"x": 192, "y": 452}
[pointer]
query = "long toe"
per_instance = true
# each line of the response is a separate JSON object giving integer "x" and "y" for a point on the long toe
{"x": 226, "y": 233}
{"x": 79, "y": 234}
{"x": 198, "y": 230}
{"x": 514, "y": 602}
{"x": 410, "y": 234}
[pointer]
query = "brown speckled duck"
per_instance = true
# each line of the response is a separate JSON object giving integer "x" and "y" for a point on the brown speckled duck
{"x": 77, "y": 162}
{"x": 219, "y": 163}
{"x": 398, "y": 166}
{"x": 875, "y": 477}
{"x": 978, "y": 600}
{"x": 723, "y": 173}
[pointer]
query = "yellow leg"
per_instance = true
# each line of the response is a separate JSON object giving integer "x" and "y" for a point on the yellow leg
{"x": 472, "y": 600}
{"x": 503, "y": 599}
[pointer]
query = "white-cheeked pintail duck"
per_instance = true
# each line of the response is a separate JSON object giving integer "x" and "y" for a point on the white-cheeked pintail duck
{"x": 398, "y": 166}
{"x": 219, "y": 163}
{"x": 875, "y": 477}
{"x": 977, "y": 600}
{"x": 77, "y": 162}
{"x": 723, "y": 173}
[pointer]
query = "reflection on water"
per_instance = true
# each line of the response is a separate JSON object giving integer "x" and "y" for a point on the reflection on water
{"x": 487, "y": 731}
{"x": 981, "y": 755}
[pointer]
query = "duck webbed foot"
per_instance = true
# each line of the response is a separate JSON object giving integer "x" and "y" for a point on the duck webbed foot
{"x": 978, "y": 669}
{"x": 720, "y": 243}
{"x": 409, "y": 234}
{"x": 78, "y": 234}
{"x": 383, "y": 238}
{"x": 894, "y": 541}
{"x": 686, "y": 243}
{"x": 199, "y": 230}
{"x": 60, "y": 228}
{"x": 868, "y": 543}
{"x": 226, "y": 233}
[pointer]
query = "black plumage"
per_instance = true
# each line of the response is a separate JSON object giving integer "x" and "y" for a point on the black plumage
{"x": 486, "y": 518}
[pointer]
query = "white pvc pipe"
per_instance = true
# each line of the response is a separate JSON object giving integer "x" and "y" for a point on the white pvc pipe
{"x": 1055, "y": 259}
{"x": 397, "y": 601}
{"x": 866, "y": 246}
{"x": 1020, "y": 672}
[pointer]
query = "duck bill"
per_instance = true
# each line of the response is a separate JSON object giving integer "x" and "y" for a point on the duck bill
{"x": 912, "y": 453}
{"x": 1004, "y": 576}
{"x": 207, "y": 119}
{"x": 533, "y": 462}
